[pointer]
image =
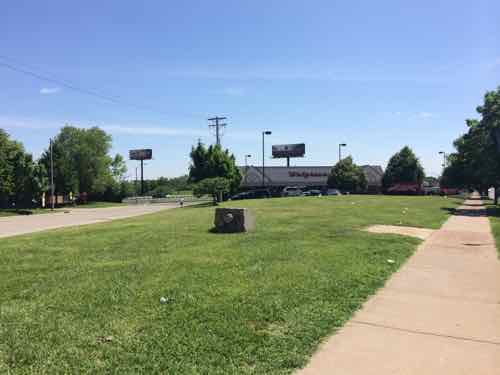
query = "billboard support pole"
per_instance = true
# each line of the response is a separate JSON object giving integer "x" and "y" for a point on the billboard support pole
{"x": 52, "y": 199}
{"x": 142, "y": 177}
{"x": 263, "y": 165}
{"x": 141, "y": 154}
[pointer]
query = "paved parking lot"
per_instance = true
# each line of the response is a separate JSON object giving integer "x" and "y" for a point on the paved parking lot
{"x": 16, "y": 225}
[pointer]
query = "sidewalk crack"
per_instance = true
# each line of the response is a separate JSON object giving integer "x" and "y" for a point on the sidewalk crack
{"x": 426, "y": 333}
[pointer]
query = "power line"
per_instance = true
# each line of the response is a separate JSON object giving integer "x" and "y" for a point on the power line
{"x": 81, "y": 90}
{"x": 218, "y": 127}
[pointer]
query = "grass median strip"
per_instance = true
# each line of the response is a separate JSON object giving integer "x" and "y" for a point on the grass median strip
{"x": 87, "y": 299}
{"x": 494, "y": 216}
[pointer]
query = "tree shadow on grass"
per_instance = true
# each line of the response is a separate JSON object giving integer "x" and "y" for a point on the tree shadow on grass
{"x": 468, "y": 204}
{"x": 214, "y": 230}
{"x": 465, "y": 211}
{"x": 198, "y": 205}
{"x": 493, "y": 211}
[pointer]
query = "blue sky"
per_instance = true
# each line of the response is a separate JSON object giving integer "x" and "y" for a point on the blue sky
{"x": 375, "y": 75}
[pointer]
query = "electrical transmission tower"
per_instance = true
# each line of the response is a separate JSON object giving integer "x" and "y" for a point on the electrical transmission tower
{"x": 218, "y": 127}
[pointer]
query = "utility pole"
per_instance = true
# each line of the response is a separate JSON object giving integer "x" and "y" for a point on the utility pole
{"x": 218, "y": 127}
{"x": 51, "y": 176}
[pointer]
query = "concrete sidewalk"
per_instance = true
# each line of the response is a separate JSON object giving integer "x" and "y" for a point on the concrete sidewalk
{"x": 439, "y": 314}
{"x": 16, "y": 225}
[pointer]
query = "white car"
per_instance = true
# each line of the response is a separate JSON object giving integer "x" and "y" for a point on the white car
{"x": 291, "y": 191}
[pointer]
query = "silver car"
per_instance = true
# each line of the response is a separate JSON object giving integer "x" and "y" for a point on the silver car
{"x": 291, "y": 191}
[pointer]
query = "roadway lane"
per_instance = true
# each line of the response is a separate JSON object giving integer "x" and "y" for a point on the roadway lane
{"x": 16, "y": 225}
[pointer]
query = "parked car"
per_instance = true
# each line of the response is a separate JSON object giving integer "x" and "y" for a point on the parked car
{"x": 406, "y": 188}
{"x": 313, "y": 192}
{"x": 252, "y": 194}
{"x": 239, "y": 196}
{"x": 432, "y": 190}
{"x": 262, "y": 193}
{"x": 333, "y": 192}
{"x": 291, "y": 191}
{"x": 449, "y": 191}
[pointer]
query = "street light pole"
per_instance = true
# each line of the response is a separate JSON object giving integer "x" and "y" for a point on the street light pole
{"x": 51, "y": 176}
{"x": 340, "y": 150}
{"x": 264, "y": 133}
{"x": 246, "y": 166}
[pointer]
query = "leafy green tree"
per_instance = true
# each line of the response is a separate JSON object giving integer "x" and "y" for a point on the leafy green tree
{"x": 347, "y": 176}
{"x": 214, "y": 186}
{"x": 403, "y": 167}
{"x": 431, "y": 181}
{"x": 213, "y": 162}
{"x": 6, "y": 183}
{"x": 21, "y": 180}
{"x": 41, "y": 180}
{"x": 199, "y": 169}
{"x": 82, "y": 162}
{"x": 118, "y": 168}
{"x": 453, "y": 175}
{"x": 476, "y": 162}
{"x": 164, "y": 185}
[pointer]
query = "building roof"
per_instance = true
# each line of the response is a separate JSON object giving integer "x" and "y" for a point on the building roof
{"x": 301, "y": 176}
{"x": 373, "y": 174}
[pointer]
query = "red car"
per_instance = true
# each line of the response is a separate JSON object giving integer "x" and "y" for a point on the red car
{"x": 405, "y": 188}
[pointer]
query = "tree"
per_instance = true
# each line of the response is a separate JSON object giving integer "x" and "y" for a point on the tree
{"x": 5, "y": 167}
{"x": 453, "y": 175}
{"x": 431, "y": 181}
{"x": 403, "y": 167}
{"x": 164, "y": 185}
{"x": 118, "y": 168}
{"x": 82, "y": 162}
{"x": 213, "y": 162}
{"x": 198, "y": 170}
{"x": 476, "y": 162}
{"x": 347, "y": 176}
{"x": 214, "y": 186}
{"x": 21, "y": 178}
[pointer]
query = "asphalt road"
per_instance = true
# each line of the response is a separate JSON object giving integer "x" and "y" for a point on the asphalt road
{"x": 16, "y": 225}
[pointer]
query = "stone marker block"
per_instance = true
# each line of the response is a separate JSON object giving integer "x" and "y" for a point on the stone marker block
{"x": 233, "y": 220}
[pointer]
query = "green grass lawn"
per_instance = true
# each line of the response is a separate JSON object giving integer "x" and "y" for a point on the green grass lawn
{"x": 5, "y": 212}
{"x": 36, "y": 211}
{"x": 494, "y": 215}
{"x": 86, "y": 300}
{"x": 13, "y": 212}
{"x": 100, "y": 205}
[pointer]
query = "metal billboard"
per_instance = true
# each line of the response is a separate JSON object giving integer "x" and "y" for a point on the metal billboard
{"x": 142, "y": 154}
{"x": 296, "y": 150}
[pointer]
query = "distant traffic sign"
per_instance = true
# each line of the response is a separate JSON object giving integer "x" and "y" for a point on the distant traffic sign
{"x": 142, "y": 154}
